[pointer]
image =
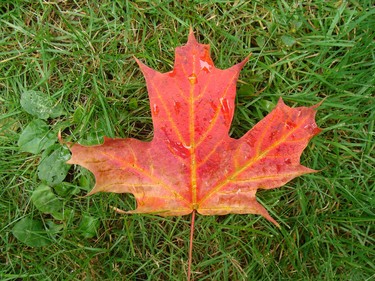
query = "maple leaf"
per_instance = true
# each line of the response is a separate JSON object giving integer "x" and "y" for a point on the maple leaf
{"x": 192, "y": 164}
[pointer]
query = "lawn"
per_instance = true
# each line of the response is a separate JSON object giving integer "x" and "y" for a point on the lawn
{"x": 69, "y": 66}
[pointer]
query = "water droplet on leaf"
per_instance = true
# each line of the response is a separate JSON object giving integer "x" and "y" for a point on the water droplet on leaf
{"x": 225, "y": 108}
{"x": 290, "y": 125}
{"x": 178, "y": 148}
{"x": 177, "y": 107}
{"x": 205, "y": 66}
{"x": 251, "y": 142}
{"x": 273, "y": 135}
{"x": 155, "y": 109}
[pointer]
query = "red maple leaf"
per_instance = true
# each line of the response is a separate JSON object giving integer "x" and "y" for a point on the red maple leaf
{"x": 192, "y": 163}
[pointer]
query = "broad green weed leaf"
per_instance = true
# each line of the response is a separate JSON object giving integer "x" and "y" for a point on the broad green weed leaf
{"x": 86, "y": 180}
{"x": 40, "y": 105}
{"x": 46, "y": 201}
{"x": 31, "y": 232}
{"x": 36, "y": 137}
{"x": 246, "y": 90}
{"x": 65, "y": 189}
{"x": 288, "y": 40}
{"x": 133, "y": 104}
{"x": 296, "y": 25}
{"x": 261, "y": 40}
{"x": 54, "y": 228}
{"x": 52, "y": 168}
{"x": 266, "y": 105}
{"x": 88, "y": 226}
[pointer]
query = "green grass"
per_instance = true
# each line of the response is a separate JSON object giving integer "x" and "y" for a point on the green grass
{"x": 80, "y": 55}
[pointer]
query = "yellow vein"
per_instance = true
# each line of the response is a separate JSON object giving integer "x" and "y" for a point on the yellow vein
{"x": 208, "y": 156}
{"x": 167, "y": 111}
{"x": 192, "y": 144}
{"x": 217, "y": 114}
{"x": 252, "y": 161}
{"x": 267, "y": 177}
{"x": 142, "y": 171}
{"x": 261, "y": 137}
{"x": 203, "y": 91}
{"x": 180, "y": 90}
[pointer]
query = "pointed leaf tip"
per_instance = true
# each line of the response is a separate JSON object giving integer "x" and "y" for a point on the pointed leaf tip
{"x": 191, "y": 38}
{"x": 191, "y": 30}
{"x": 315, "y": 106}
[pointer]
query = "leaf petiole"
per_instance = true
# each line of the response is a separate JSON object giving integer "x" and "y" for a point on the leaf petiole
{"x": 191, "y": 243}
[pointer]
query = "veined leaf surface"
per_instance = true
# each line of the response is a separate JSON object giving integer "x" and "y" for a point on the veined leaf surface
{"x": 192, "y": 163}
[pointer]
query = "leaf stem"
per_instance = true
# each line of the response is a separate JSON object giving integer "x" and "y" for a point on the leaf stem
{"x": 191, "y": 243}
